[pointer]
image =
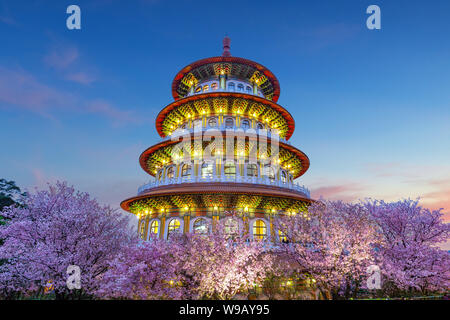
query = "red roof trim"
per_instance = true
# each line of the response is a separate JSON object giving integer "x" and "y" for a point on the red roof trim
{"x": 146, "y": 154}
{"x": 196, "y": 64}
{"x": 287, "y": 116}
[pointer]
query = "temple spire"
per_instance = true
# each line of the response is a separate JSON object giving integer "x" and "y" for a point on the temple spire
{"x": 226, "y": 47}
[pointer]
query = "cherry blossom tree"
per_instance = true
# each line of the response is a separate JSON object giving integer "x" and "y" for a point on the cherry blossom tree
{"x": 331, "y": 245}
{"x": 56, "y": 228}
{"x": 410, "y": 235}
{"x": 148, "y": 270}
{"x": 215, "y": 265}
{"x": 227, "y": 262}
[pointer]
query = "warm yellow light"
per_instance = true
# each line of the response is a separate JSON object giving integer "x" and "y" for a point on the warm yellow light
{"x": 146, "y": 211}
{"x": 186, "y": 208}
{"x": 246, "y": 209}
{"x": 215, "y": 208}
{"x": 273, "y": 209}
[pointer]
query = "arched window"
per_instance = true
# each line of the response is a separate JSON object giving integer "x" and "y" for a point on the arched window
{"x": 231, "y": 86}
{"x": 154, "y": 228}
{"x": 198, "y": 89}
{"x": 283, "y": 176}
{"x": 240, "y": 87}
{"x": 245, "y": 124}
{"x": 207, "y": 169}
{"x": 212, "y": 122}
{"x": 252, "y": 170}
{"x": 229, "y": 123}
{"x": 259, "y": 230}
{"x": 260, "y": 126}
{"x": 230, "y": 168}
{"x": 186, "y": 170}
{"x": 269, "y": 172}
{"x": 200, "y": 226}
{"x": 160, "y": 175}
{"x": 197, "y": 123}
{"x": 174, "y": 227}
{"x": 183, "y": 126}
{"x": 231, "y": 227}
{"x": 249, "y": 89}
{"x": 170, "y": 172}
{"x": 214, "y": 86}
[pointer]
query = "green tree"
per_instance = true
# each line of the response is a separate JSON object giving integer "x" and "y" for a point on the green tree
{"x": 10, "y": 194}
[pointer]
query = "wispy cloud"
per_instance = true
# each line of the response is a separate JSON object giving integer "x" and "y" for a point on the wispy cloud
{"x": 22, "y": 90}
{"x": 348, "y": 191}
{"x": 62, "y": 58}
{"x": 80, "y": 77}
{"x": 65, "y": 59}
{"x": 107, "y": 109}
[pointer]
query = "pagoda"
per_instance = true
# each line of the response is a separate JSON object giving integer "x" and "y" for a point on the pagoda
{"x": 225, "y": 154}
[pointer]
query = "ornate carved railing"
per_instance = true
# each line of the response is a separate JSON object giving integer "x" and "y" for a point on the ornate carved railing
{"x": 237, "y": 179}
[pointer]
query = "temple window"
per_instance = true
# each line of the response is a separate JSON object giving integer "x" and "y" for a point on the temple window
{"x": 154, "y": 228}
{"x": 231, "y": 86}
{"x": 260, "y": 126}
{"x": 186, "y": 170}
{"x": 160, "y": 175}
{"x": 214, "y": 86}
{"x": 259, "y": 230}
{"x": 230, "y": 168}
{"x": 199, "y": 89}
{"x": 249, "y": 89}
{"x": 170, "y": 172}
{"x": 240, "y": 87}
{"x": 245, "y": 124}
{"x": 269, "y": 172}
{"x": 229, "y": 123}
{"x": 252, "y": 170}
{"x": 231, "y": 227}
{"x": 205, "y": 88}
{"x": 212, "y": 122}
{"x": 200, "y": 226}
{"x": 283, "y": 176}
{"x": 207, "y": 169}
{"x": 197, "y": 123}
{"x": 174, "y": 227}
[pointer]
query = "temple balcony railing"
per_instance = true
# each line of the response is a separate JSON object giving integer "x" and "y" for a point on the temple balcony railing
{"x": 226, "y": 178}
{"x": 223, "y": 128}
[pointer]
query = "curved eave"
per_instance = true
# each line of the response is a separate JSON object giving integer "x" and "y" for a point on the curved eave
{"x": 220, "y": 188}
{"x": 146, "y": 154}
{"x": 286, "y": 115}
{"x": 180, "y": 75}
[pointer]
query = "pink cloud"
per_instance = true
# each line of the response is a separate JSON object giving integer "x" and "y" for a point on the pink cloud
{"x": 66, "y": 60}
{"x": 22, "y": 89}
{"x": 19, "y": 89}
{"x": 62, "y": 59}
{"x": 80, "y": 77}
{"x": 345, "y": 192}
{"x": 105, "y": 108}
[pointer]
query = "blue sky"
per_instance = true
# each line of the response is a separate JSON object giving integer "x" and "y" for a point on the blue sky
{"x": 372, "y": 107}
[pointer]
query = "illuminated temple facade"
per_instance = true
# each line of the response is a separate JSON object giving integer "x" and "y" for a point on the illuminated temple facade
{"x": 221, "y": 99}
